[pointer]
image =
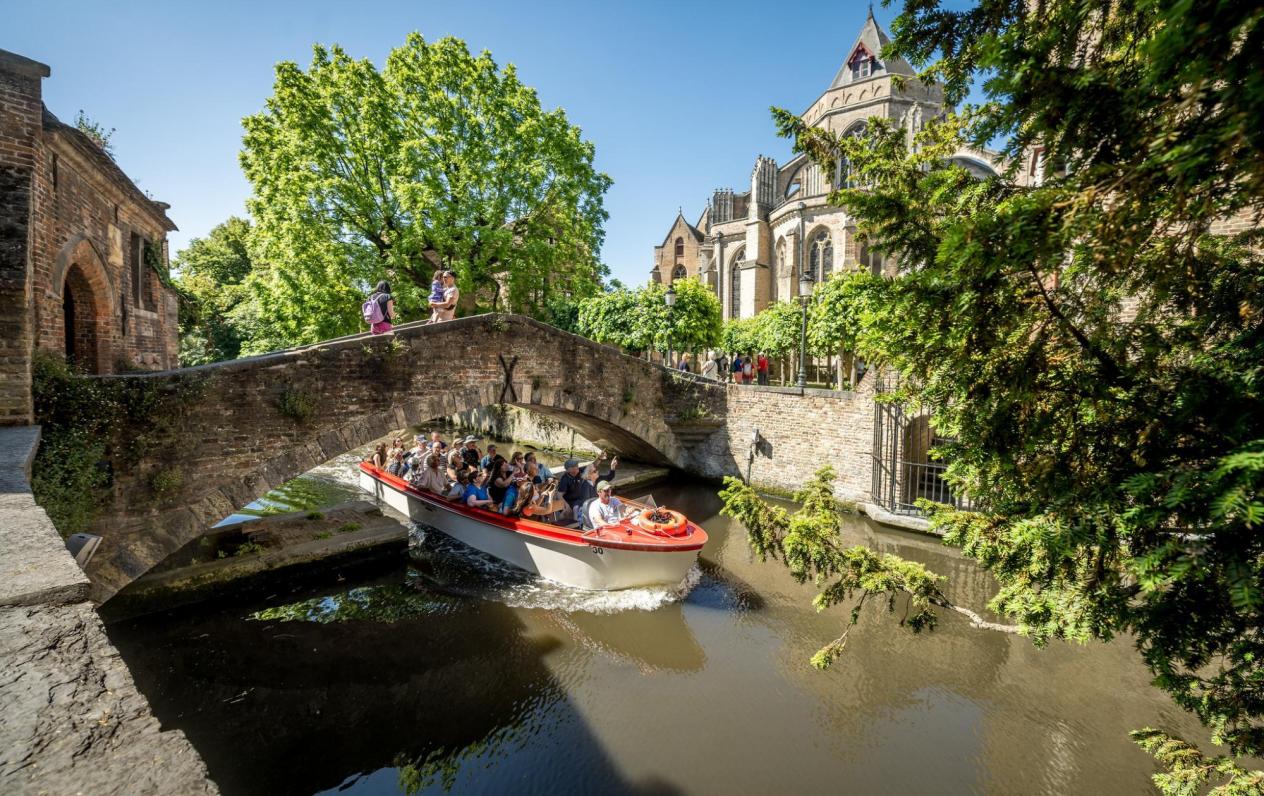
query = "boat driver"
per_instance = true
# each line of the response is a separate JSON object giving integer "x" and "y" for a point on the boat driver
{"x": 606, "y": 509}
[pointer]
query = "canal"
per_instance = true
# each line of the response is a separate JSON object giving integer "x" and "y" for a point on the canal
{"x": 451, "y": 673}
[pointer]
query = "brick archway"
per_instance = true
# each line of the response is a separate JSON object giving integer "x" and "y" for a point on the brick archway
{"x": 88, "y": 320}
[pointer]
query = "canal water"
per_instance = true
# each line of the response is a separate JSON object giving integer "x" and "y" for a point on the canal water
{"x": 452, "y": 673}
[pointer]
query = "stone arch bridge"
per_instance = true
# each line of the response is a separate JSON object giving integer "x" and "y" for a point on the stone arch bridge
{"x": 213, "y": 438}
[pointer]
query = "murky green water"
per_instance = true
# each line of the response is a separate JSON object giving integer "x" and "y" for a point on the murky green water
{"x": 453, "y": 673}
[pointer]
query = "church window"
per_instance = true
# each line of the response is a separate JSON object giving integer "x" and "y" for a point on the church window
{"x": 680, "y": 247}
{"x": 679, "y": 273}
{"x": 735, "y": 286}
{"x": 781, "y": 256}
{"x": 820, "y": 256}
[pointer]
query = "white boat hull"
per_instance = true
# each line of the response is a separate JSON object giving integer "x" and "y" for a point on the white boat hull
{"x": 579, "y": 564}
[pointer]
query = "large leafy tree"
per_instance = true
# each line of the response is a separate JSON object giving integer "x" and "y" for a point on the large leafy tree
{"x": 441, "y": 159}
{"x": 1094, "y": 341}
{"x": 210, "y": 274}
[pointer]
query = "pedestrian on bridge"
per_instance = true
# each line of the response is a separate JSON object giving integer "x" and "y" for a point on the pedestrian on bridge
{"x": 379, "y": 309}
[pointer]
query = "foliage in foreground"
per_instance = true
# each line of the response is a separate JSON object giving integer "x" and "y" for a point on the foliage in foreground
{"x": 1093, "y": 341}
{"x": 441, "y": 159}
{"x": 809, "y": 544}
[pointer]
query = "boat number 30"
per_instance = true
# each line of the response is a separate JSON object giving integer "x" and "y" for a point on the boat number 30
{"x": 601, "y": 551}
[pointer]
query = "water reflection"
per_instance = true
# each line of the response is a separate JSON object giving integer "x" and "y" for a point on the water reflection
{"x": 457, "y": 673}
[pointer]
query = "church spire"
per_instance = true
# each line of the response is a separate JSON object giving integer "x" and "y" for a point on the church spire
{"x": 864, "y": 59}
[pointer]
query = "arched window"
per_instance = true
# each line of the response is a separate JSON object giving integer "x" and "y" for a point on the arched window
{"x": 820, "y": 256}
{"x": 844, "y": 178}
{"x": 679, "y": 273}
{"x": 781, "y": 257}
{"x": 680, "y": 247}
{"x": 735, "y": 285}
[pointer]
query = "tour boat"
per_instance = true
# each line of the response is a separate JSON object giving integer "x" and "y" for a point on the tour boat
{"x": 635, "y": 552}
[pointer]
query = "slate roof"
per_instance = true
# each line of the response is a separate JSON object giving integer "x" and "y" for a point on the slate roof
{"x": 873, "y": 39}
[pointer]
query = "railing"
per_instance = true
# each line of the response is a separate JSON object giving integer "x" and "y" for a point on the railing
{"x": 903, "y": 473}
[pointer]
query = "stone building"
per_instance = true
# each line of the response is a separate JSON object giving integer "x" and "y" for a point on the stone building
{"x": 750, "y": 246}
{"x": 83, "y": 252}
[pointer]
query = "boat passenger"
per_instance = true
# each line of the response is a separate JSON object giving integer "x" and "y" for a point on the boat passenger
{"x": 542, "y": 473}
{"x": 606, "y": 509}
{"x": 502, "y": 478}
{"x": 456, "y": 465}
{"x": 456, "y": 492}
{"x": 476, "y": 495}
{"x": 436, "y": 442}
{"x": 518, "y": 462}
{"x": 469, "y": 451}
{"x": 396, "y": 467}
{"x": 379, "y": 456}
{"x": 486, "y": 461}
{"x": 430, "y": 477}
{"x": 523, "y": 494}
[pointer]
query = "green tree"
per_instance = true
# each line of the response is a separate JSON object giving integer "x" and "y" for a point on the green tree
{"x": 210, "y": 274}
{"x": 694, "y": 323}
{"x": 639, "y": 320}
{"x": 441, "y": 159}
{"x": 740, "y": 335}
{"x": 1094, "y": 341}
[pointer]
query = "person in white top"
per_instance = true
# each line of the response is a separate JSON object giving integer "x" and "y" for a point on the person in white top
{"x": 710, "y": 369}
{"x": 446, "y": 310}
{"x": 606, "y": 509}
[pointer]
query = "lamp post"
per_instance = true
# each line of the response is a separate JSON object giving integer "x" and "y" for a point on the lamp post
{"x": 805, "y": 295}
{"x": 669, "y": 298}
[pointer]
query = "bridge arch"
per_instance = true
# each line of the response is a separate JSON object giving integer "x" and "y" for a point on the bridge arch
{"x": 216, "y": 437}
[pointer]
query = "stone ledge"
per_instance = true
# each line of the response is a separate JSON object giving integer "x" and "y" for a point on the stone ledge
{"x": 904, "y": 521}
{"x": 35, "y": 566}
{"x": 73, "y": 719}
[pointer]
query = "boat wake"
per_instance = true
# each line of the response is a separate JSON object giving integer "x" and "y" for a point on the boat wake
{"x": 444, "y": 564}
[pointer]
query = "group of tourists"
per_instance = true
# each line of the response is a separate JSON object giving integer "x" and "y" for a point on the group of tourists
{"x": 520, "y": 486}
{"x": 742, "y": 368}
{"x": 379, "y": 308}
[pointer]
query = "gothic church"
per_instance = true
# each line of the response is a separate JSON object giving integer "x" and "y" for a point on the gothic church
{"x": 751, "y": 246}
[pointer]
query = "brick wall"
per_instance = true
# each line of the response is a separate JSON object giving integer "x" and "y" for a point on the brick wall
{"x": 19, "y": 123}
{"x": 67, "y": 216}
{"x": 799, "y": 432}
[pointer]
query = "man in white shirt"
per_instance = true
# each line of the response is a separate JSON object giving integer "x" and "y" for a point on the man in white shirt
{"x": 606, "y": 509}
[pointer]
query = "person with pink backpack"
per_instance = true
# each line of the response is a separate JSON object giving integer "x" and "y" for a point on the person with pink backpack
{"x": 379, "y": 309}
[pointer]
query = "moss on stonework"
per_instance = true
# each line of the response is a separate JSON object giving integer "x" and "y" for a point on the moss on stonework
{"x": 91, "y": 428}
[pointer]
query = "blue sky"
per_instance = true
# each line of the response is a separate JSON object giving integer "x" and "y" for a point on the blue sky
{"x": 675, "y": 96}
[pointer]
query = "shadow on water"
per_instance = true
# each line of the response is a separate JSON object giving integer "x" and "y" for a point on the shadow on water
{"x": 383, "y": 688}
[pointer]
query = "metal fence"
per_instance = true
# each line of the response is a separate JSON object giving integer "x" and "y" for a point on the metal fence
{"x": 903, "y": 471}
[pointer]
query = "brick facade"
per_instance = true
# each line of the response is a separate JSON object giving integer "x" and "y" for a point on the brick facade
{"x": 74, "y": 230}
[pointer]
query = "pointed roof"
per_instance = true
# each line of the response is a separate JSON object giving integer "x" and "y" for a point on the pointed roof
{"x": 680, "y": 219}
{"x": 871, "y": 40}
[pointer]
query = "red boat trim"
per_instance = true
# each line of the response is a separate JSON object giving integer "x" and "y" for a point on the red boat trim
{"x": 531, "y": 527}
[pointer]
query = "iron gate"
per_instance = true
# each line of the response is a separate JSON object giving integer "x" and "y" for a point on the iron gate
{"x": 903, "y": 471}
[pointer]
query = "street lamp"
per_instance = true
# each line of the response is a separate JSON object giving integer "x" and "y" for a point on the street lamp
{"x": 669, "y": 298}
{"x": 805, "y": 295}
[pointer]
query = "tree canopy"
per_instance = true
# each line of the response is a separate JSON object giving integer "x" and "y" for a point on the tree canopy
{"x": 217, "y": 313}
{"x": 1092, "y": 340}
{"x": 441, "y": 159}
{"x": 639, "y": 320}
